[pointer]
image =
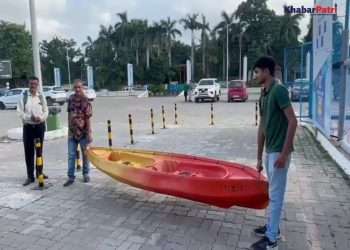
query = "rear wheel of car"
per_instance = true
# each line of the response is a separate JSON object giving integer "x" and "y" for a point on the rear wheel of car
{"x": 2, "y": 106}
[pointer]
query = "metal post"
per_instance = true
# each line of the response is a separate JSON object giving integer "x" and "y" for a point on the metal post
{"x": 256, "y": 113}
{"x": 344, "y": 70}
{"x": 240, "y": 56}
{"x": 211, "y": 114}
{"x": 285, "y": 65}
{"x": 109, "y": 129}
{"x": 176, "y": 114}
{"x": 131, "y": 130}
{"x": 163, "y": 116}
{"x": 301, "y": 76}
{"x": 35, "y": 43}
{"x": 227, "y": 61}
{"x": 152, "y": 121}
{"x": 68, "y": 66}
{"x": 39, "y": 162}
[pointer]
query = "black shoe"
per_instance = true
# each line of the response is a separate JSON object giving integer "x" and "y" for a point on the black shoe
{"x": 68, "y": 183}
{"x": 261, "y": 231}
{"x": 86, "y": 179}
{"x": 28, "y": 181}
{"x": 264, "y": 244}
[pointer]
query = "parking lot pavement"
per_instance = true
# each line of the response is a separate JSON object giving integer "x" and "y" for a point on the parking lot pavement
{"x": 105, "y": 214}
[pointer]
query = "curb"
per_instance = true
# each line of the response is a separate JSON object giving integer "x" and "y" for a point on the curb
{"x": 16, "y": 134}
{"x": 340, "y": 158}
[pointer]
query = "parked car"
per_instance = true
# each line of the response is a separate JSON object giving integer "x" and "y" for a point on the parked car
{"x": 300, "y": 90}
{"x": 11, "y": 98}
{"x": 54, "y": 95}
{"x": 90, "y": 93}
{"x": 237, "y": 91}
{"x": 3, "y": 92}
{"x": 207, "y": 89}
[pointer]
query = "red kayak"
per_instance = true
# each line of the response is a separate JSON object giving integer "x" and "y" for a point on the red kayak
{"x": 219, "y": 183}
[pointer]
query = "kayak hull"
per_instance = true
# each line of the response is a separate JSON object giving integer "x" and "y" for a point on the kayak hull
{"x": 219, "y": 183}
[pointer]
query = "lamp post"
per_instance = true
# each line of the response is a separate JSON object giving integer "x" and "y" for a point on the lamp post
{"x": 35, "y": 43}
{"x": 68, "y": 67}
{"x": 227, "y": 60}
{"x": 240, "y": 49}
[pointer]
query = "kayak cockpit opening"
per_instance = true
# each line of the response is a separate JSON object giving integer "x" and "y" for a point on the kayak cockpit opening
{"x": 190, "y": 169}
{"x": 129, "y": 159}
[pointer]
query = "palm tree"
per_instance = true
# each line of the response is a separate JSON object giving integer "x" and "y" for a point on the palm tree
{"x": 308, "y": 36}
{"x": 121, "y": 29}
{"x": 149, "y": 40}
{"x": 191, "y": 23}
{"x": 205, "y": 38}
{"x": 171, "y": 31}
{"x": 289, "y": 27}
{"x": 137, "y": 30}
{"x": 158, "y": 37}
{"x": 227, "y": 20}
{"x": 88, "y": 44}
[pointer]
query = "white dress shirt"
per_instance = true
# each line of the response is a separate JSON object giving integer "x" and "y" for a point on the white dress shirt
{"x": 35, "y": 106}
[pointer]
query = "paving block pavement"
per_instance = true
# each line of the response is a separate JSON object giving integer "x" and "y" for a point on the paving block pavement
{"x": 105, "y": 214}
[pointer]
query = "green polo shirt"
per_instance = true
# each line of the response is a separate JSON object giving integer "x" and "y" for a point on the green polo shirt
{"x": 275, "y": 123}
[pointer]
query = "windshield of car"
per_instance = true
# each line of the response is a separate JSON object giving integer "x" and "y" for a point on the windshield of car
{"x": 45, "y": 89}
{"x": 3, "y": 92}
{"x": 236, "y": 84}
{"x": 206, "y": 82}
{"x": 58, "y": 89}
{"x": 304, "y": 84}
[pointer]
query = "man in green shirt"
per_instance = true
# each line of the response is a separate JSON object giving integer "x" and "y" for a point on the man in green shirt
{"x": 276, "y": 133}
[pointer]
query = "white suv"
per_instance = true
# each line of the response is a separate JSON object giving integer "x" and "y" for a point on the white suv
{"x": 207, "y": 89}
{"x": 11, "y": 98}
{"x": 54, "y": 94}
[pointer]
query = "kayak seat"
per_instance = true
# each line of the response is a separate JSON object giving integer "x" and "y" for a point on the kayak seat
{"x": 190, "y": 169}
{"x": 130, "y": 160}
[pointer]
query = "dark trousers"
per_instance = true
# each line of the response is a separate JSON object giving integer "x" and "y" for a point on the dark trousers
{"x": 30, "y": 133}
{"x": 185, "y": 94}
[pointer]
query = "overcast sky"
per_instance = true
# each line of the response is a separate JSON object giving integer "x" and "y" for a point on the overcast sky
{"x": 79, "y": 18}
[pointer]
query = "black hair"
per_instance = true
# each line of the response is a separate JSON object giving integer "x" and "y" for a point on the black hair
{"x": 32, "y": 78}
{"x": 266, "y": 62}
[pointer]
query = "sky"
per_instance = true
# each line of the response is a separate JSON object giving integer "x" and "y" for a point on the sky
{"x": 79, "y": 18}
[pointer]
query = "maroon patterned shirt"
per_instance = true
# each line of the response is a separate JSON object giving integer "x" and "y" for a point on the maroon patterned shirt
{"x": 80, "y": 111}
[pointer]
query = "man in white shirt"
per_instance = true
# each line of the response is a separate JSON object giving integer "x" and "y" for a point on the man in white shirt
{"x": 33, "y": 111}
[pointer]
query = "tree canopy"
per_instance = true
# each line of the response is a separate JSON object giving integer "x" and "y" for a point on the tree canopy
{"x": 156, "y": 49}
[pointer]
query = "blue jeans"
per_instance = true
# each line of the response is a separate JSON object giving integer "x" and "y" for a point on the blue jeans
{"x": 277, "y": 178}
{"x": 72, "y": 156}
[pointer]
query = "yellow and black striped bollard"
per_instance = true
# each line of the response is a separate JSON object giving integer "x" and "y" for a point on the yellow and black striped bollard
{"x": 39, "y": 163}
{"x": 163, "y": 115}
{"x": 131, "y": 130}
{"x": 78, "y": 160}
{"x": 109, "y": 129}
{"x": 152, "y": 122}
{"x": 211, "y": 114}
{"x": 256, "y": 113}
{"x": 176, "y": 114}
